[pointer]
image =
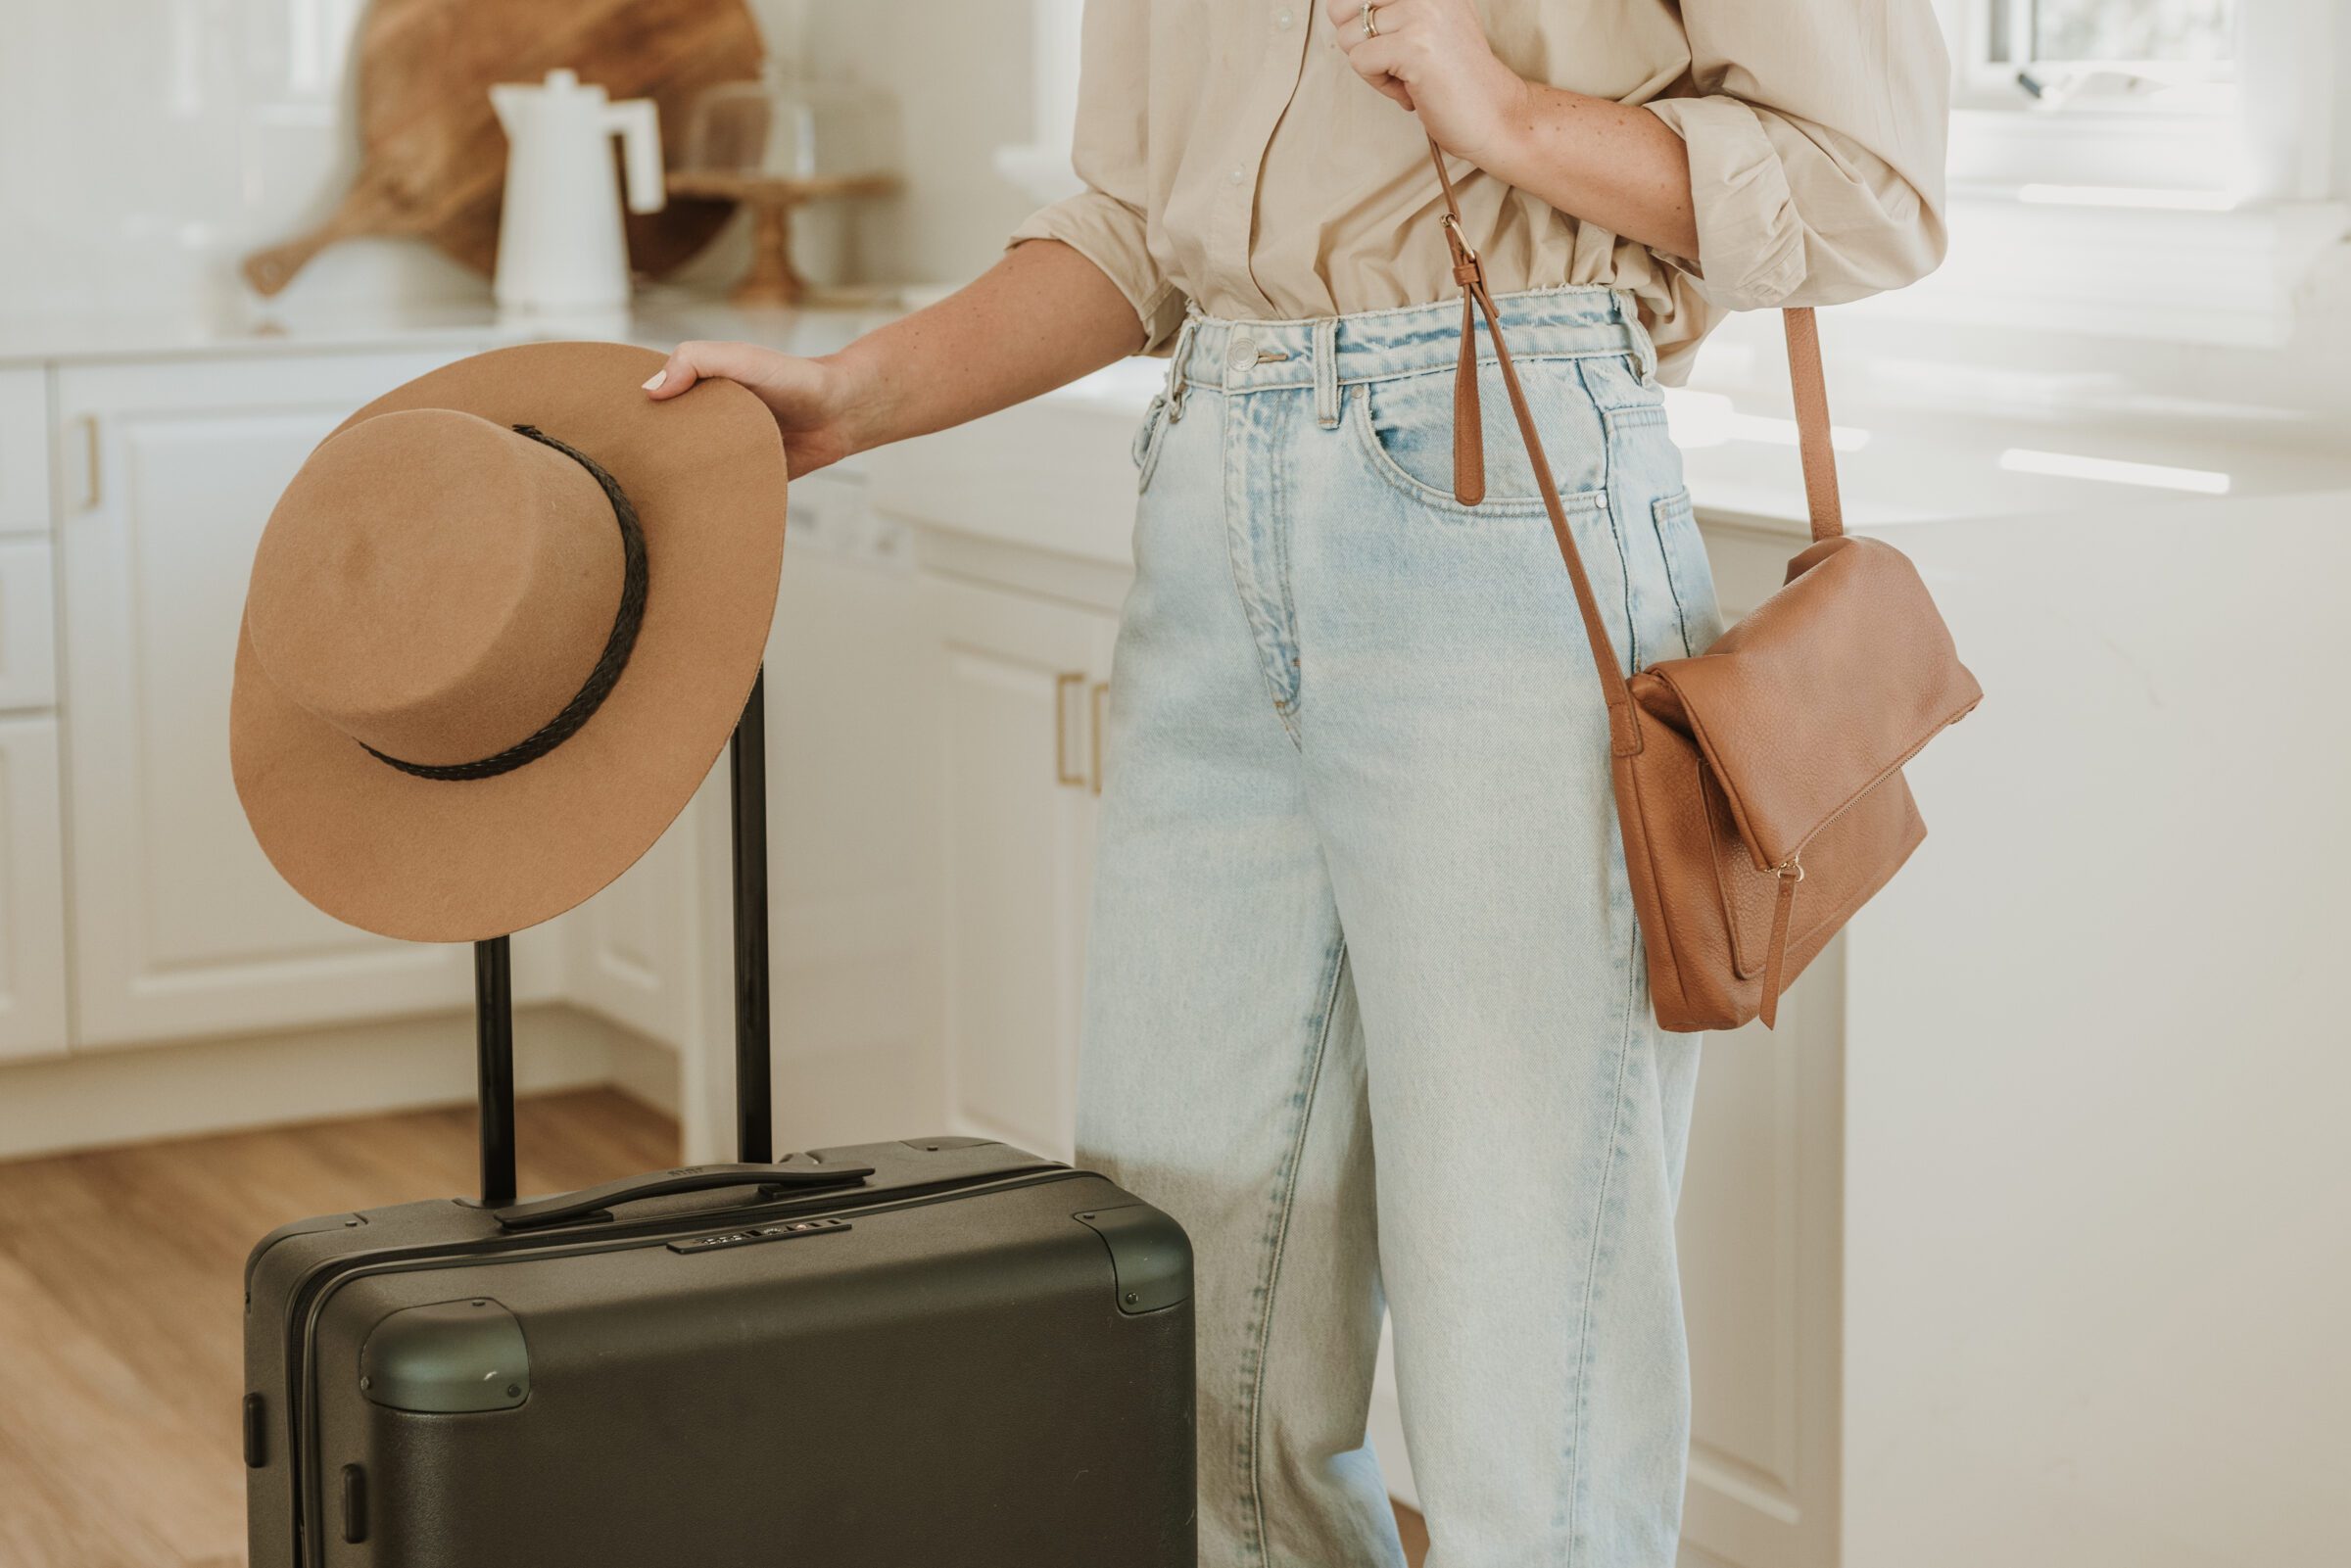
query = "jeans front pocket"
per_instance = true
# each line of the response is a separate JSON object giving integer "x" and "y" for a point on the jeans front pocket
{"x": 1404, "y": 426}
{"x": 1687, "y": 570}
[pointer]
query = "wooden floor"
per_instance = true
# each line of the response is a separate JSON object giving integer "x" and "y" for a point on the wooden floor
{"x": 120, "y": 1339}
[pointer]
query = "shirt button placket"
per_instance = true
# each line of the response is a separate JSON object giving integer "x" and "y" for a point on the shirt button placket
{"x": 1277, "y": 79}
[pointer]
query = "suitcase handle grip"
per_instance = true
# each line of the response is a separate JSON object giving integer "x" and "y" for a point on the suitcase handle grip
{"x": 591, "y": 1203}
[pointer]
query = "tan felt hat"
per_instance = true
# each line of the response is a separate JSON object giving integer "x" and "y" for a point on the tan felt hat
{"x": 498, "y": 628}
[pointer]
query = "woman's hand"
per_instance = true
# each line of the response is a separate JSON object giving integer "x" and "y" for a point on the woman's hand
{"x": 1432, "y": 55}
{"x": 814, "y": 400}
{"x": 1042, "y": 316}
{"x": 1613, "y": 165}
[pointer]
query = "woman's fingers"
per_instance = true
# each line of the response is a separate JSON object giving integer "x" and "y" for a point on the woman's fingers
{"x": 1374, "y": 55}
{"x": 1347, "y": 20}
{"x": 1376, "y": 61}
{"x": 690, "y": 362}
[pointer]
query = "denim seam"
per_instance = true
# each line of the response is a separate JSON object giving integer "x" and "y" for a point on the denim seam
{"x": 1404, "y": 482}
{"x": 1618, "y": 297}
{"x": 1673, "y": 585}
{"x": 1255, "y": 1495}
{"x": 1599, "y": 1214}
{"x": 1268, "y": 637}
{"x": 1608, "y": 425}
{"x": 1287, "y": 670}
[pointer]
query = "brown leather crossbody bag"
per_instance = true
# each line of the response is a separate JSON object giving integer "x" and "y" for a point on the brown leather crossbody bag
{"x": 1759, "y": 784}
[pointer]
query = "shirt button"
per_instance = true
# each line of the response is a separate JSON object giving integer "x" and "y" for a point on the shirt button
{"x": 1242, "y": 353}
{"x": 1283, "y": 17}
{"x": 1237, "y": 176}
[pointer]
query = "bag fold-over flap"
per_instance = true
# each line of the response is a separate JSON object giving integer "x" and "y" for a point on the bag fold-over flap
{"x": 1822, "y": 691}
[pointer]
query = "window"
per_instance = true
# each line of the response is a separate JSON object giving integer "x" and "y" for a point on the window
{"x": 2138, "y": 46}
{"x": 2196, "y": 103}
{"x": 1040, "y": 166}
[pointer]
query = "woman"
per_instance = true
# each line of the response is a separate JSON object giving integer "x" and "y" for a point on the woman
{"x": 1359, "y": 886}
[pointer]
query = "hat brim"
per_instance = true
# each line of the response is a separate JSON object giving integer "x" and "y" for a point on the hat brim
{"x": 451, "y": 861}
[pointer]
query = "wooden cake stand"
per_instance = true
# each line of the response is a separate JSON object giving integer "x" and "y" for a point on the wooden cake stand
{"x": 773, "y": 280}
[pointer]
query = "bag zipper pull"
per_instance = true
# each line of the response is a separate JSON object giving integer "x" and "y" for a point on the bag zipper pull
{"x": 1791, "y": 871}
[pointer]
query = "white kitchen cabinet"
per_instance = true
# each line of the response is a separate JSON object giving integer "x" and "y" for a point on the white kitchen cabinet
{"x": 1022, "y": 683}
{"x": 630, "y": 955}
{"x": 23, "y": 451}
{"x": 33, "y": 936}
{"x": 28, "y": 626}
{"x": 181, "y": 928}
{"x": 1760, "y": 1238}
{"x": 853, "y": 934}
{"x": 851, "y": 881}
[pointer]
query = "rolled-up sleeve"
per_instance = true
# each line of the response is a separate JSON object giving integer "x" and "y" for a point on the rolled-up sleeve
{"x": 1817, "y": 135}
{"x": 1108, "y": 222}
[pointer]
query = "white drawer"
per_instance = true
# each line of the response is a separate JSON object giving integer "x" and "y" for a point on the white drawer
{"x": 24, "y": 453}
{"x": 28, "y": 626}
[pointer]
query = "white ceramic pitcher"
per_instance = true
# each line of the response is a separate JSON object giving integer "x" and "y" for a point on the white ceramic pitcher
{"x": 560, "y": 245}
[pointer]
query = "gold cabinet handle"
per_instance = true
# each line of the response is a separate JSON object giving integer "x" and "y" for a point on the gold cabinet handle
{"x": 91, "y": 469}
{"x": 1101, "y": 691}
{"x": 1063, "y": 684}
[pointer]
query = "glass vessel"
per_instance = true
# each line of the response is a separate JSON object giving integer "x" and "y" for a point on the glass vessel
{"x": 790, "y": 126}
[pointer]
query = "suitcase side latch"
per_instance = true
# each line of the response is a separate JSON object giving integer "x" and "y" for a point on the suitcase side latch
{"x": 447, "y": 1358}
{"x": 1150, "y": 1256}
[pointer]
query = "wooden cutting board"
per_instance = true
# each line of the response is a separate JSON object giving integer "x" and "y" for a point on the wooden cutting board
{"x": 433, "y": 159}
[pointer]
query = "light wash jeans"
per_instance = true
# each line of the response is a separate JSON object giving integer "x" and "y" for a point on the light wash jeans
{"x": 1360, "y": 889}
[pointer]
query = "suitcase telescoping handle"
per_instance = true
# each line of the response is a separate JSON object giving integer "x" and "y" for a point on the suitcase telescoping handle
{"x": 590, "y": 1202}
{"x": 494, "y": 1000}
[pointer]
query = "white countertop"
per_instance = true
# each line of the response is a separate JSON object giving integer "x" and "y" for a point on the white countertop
{"x": 1053, "y": 474}
{"x": 660, "y": 318}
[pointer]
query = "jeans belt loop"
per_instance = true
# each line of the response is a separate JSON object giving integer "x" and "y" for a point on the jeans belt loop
{"x": 1645, "y": 350}
{"x": 1178, "y": 356}
{"x": 1327, "y": 373}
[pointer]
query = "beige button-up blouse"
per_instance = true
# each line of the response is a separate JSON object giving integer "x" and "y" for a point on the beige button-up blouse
{"x": 1233, "y": 158}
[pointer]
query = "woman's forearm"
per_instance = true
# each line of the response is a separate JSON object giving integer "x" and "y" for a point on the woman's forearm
{"x": 1601, "y": 161}
{"x": 1042, "y": 316}
{"x": 1613, "y": 165}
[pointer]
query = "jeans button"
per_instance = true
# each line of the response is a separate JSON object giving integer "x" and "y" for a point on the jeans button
{"x": 1242, "y": 353}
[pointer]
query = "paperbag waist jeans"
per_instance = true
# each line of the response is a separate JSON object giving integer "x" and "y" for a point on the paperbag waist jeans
{"x": 1365, "y": 1007}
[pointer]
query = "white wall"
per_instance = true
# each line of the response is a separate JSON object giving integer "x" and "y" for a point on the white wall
{"x": 147, "y": 145}
{"x": 962, "y": 75}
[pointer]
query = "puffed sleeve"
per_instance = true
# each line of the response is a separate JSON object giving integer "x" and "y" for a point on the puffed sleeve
{"x": 1817, "y": 148}
{"x": 1107, "y": 222}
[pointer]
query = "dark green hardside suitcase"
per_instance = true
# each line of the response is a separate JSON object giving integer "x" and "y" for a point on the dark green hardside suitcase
{"x": 941, "y": 1351}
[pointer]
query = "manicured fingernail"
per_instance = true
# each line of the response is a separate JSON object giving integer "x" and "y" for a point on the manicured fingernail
{"x": 654, "y": 384}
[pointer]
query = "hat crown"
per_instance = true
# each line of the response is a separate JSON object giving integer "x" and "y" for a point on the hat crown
{"x": 436, "y": 585}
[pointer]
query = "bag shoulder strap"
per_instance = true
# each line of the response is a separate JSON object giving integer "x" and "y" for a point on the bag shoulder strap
{"x": 1811, "y": 425}
{"x": 1812, "y": 391}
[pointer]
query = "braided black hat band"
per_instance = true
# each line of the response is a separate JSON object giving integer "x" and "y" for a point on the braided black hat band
{"x": 600, "y": 680}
